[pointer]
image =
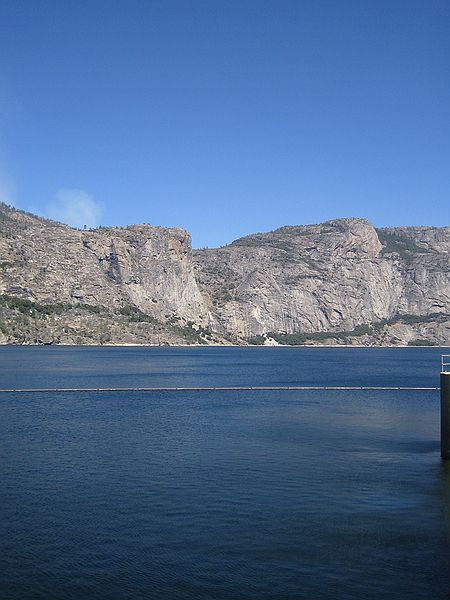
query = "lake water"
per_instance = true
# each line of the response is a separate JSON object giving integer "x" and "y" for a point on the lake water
{"x": 222, "y": 495}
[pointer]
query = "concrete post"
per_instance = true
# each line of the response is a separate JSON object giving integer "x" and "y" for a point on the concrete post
{"x": 445, "y": 415}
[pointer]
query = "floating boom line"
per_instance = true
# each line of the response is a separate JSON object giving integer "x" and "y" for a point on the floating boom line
{"x": 264, "y": 388}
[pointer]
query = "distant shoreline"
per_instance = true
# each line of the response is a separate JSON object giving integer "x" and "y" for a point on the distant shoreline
{"x": 205, "y": 346}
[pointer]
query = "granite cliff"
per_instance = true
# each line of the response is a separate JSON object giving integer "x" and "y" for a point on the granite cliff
{"x": 110, "y": 285}
{"x": 338, "y": 282}
{"x": 341, "y": 282}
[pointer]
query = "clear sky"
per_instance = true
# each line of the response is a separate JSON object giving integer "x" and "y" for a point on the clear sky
{"x": 226, "y": 117}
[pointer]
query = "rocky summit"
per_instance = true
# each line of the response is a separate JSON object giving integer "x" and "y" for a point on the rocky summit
{"x": 340, "y": 282}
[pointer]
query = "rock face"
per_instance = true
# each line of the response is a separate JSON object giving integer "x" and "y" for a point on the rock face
{"x": 338, "y": 282}
{"x": 131, "y": 271}
{"x": 149, "y": 267}
{"x": 331, "y": 278}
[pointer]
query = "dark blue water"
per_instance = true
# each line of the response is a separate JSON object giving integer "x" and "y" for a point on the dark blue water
{"x": 248, "y": 495}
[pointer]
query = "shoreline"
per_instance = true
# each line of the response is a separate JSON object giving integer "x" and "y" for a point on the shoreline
{"x": 206, "y": 346}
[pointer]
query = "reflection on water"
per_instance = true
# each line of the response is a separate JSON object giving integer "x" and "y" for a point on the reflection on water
{"x": 222, "y": 495}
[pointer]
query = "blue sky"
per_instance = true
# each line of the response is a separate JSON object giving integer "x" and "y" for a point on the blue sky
{"x": 226, "y": 117}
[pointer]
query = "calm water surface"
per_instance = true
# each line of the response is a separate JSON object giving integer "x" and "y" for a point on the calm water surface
{"x": 222, "y": 495}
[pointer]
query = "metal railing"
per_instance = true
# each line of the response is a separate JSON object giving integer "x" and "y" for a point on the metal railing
{"x": 445, "y": 363}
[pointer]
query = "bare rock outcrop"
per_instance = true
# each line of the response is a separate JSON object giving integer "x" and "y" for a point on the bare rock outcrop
{"x": 138, "y": 271}
{"x": 340, "y": 282}
{"x": 334, "y": 277}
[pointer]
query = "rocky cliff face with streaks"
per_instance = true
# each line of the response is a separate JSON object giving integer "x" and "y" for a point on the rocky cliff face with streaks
{"x": 341, "y": 282}
{"x": 338, "y": 282}
{"x": 128, "y": 285}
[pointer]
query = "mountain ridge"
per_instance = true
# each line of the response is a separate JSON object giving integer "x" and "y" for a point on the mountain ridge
{"x": 339, "y": 282}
